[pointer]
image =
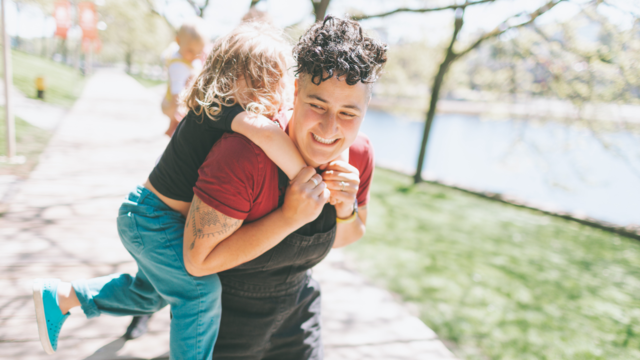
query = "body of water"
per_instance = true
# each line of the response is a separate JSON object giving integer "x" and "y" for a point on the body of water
{"x": 550, "y": 164}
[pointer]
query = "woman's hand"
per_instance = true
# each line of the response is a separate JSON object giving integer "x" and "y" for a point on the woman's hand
{"x": 305, "y": 197}
{"x": 343, "y": 181}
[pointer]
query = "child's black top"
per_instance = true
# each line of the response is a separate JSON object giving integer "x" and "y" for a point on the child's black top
{"x": 176, "y": 172}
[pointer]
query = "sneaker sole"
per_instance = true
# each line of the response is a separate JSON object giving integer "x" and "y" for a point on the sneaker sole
{"x": 40, "y": 317}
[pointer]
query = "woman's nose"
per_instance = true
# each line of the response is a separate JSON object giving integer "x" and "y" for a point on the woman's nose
{"x": 330, "y": 124}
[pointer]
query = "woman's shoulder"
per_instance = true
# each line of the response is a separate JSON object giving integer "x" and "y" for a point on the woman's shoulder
{"x": 361, "y": 150}
{"x": 239, "y": 145}
{"x": 237, "y": 153}
{"x": 361, "y": 155}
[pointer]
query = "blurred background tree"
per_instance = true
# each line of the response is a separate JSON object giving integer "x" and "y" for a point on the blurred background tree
{"x": 134, "y": 33}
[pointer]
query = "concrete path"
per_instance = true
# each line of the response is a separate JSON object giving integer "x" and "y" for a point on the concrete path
{"x": 61, "y": 223}
{"x": 38, "y": 113}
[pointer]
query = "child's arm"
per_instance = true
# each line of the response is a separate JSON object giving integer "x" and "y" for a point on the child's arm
{"x": 272, "y": 140}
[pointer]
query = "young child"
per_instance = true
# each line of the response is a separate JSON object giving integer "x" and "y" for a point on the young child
{"x": 182, "y": 65}
{"x": 246, "y": 70}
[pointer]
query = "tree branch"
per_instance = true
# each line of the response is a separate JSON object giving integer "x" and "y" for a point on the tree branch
{"x": 608, "y": 3}
{"x": 320, "y": 8}
{"x": 450, "y": 7}
{"x": 154, "y": 11}
{"x": 504, "y": 27}
{"x": 195, "y": 7}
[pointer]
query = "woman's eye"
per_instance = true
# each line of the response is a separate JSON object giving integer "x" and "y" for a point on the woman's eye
{"x": 348, "y": 115}
{"x": 316, "y": 106}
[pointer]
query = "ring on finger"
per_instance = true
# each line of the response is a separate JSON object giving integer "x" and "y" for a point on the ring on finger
{"x": 343, "y": 184}
{"x": 315, "y": 181}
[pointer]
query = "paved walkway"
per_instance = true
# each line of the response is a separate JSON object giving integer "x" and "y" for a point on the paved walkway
{"x": 61, "y": 223}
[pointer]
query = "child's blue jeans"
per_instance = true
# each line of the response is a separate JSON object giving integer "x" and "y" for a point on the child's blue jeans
{"x": 153, "y": 233}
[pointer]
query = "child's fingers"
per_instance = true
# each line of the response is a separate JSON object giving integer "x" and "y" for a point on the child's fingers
{"x": 340, "y": 176}
{"x": 342, "y": 166}
{"x": 304, "y": 175}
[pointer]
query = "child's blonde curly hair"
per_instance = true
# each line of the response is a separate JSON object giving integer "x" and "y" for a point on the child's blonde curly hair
{"x": 255, "y": 53}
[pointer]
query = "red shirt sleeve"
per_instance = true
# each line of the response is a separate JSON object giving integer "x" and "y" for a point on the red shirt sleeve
{"x": 231, "y": 175}
{"x": 361, "y": 156}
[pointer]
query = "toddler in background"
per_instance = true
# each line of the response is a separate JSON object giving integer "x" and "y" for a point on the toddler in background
{"x": 183, "y": 65}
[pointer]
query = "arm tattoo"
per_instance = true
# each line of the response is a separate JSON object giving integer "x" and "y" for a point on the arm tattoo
{"x": 202, "y": 217}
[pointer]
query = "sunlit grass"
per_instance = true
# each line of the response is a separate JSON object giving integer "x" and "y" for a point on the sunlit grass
{"x": 30, "y": 142}
{"x": 500, "y": 282}
{"x": 63, "y": 83}
{"x": 63, "y": 87}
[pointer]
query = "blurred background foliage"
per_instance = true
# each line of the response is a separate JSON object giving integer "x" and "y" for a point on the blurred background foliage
{"x": 494, "y": 281}
{"x": 587, "y": 59}
{"x": 134, "y": 34}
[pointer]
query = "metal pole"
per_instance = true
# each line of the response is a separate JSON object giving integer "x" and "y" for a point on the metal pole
{"x": 8, "y": 111}
{"x": 90, "y": 61}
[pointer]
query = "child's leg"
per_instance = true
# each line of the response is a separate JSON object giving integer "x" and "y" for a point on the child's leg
{"x": 195, "y": 301}
{"x": 117, "y": 295}
{"x": 153, "y": 234}
{"x": 173, "y": 125}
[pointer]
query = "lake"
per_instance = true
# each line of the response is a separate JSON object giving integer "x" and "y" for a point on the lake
{"x": 550, "y": 164}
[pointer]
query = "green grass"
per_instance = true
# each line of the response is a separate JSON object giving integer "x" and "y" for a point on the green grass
{"x": 500, "y": 282}
{"x": 63, "y": 87}
{"x": 63, "y": 83}
{"x": 148, "y": 83}
{"x": 30, "y": 142}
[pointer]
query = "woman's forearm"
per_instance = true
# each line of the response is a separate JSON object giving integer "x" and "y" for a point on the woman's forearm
{"x": 246, "y": 243}
{"x": 348, "y": 233}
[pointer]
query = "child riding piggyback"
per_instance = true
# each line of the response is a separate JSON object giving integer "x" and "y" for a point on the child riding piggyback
{"x": 243, "y": 87}
{"x": 183, "y": 65}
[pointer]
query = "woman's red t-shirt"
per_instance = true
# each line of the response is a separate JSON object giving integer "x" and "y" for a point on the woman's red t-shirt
{"x": 239, "y": 180}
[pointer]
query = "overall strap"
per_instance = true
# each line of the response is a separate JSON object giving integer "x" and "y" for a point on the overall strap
{"x": 283, "y": 183}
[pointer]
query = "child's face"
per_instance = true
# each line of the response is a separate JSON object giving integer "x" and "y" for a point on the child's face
{"x": 189, "y": 48}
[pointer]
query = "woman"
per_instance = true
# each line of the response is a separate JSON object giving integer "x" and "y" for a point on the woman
{"x": 271, "y": 305}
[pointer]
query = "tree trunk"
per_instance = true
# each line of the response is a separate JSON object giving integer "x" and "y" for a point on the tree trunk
{"x": 435, "y": 94}
{"x": 320, "y": 8}
{"x": 63, "y": 49}
{"x": 129, "y": 60}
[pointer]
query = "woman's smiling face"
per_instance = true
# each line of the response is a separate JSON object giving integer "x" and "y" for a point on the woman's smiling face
{"x": 326, "y": 118}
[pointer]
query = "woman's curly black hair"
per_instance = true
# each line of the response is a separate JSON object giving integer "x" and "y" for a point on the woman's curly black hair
{"x": 339, "y": 47}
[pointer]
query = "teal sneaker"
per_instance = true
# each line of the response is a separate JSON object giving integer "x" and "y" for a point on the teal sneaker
{"x": 48, "y": 314}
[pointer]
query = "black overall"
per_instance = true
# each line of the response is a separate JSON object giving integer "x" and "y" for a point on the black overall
{"x": 271, "y": 305}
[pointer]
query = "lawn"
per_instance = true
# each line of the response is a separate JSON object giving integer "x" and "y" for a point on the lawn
{"x": 63, "y": 83}
{"x": 30, "y": 142}
{"x": 64, "y": 86}
{"x": 500, "y": 282}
